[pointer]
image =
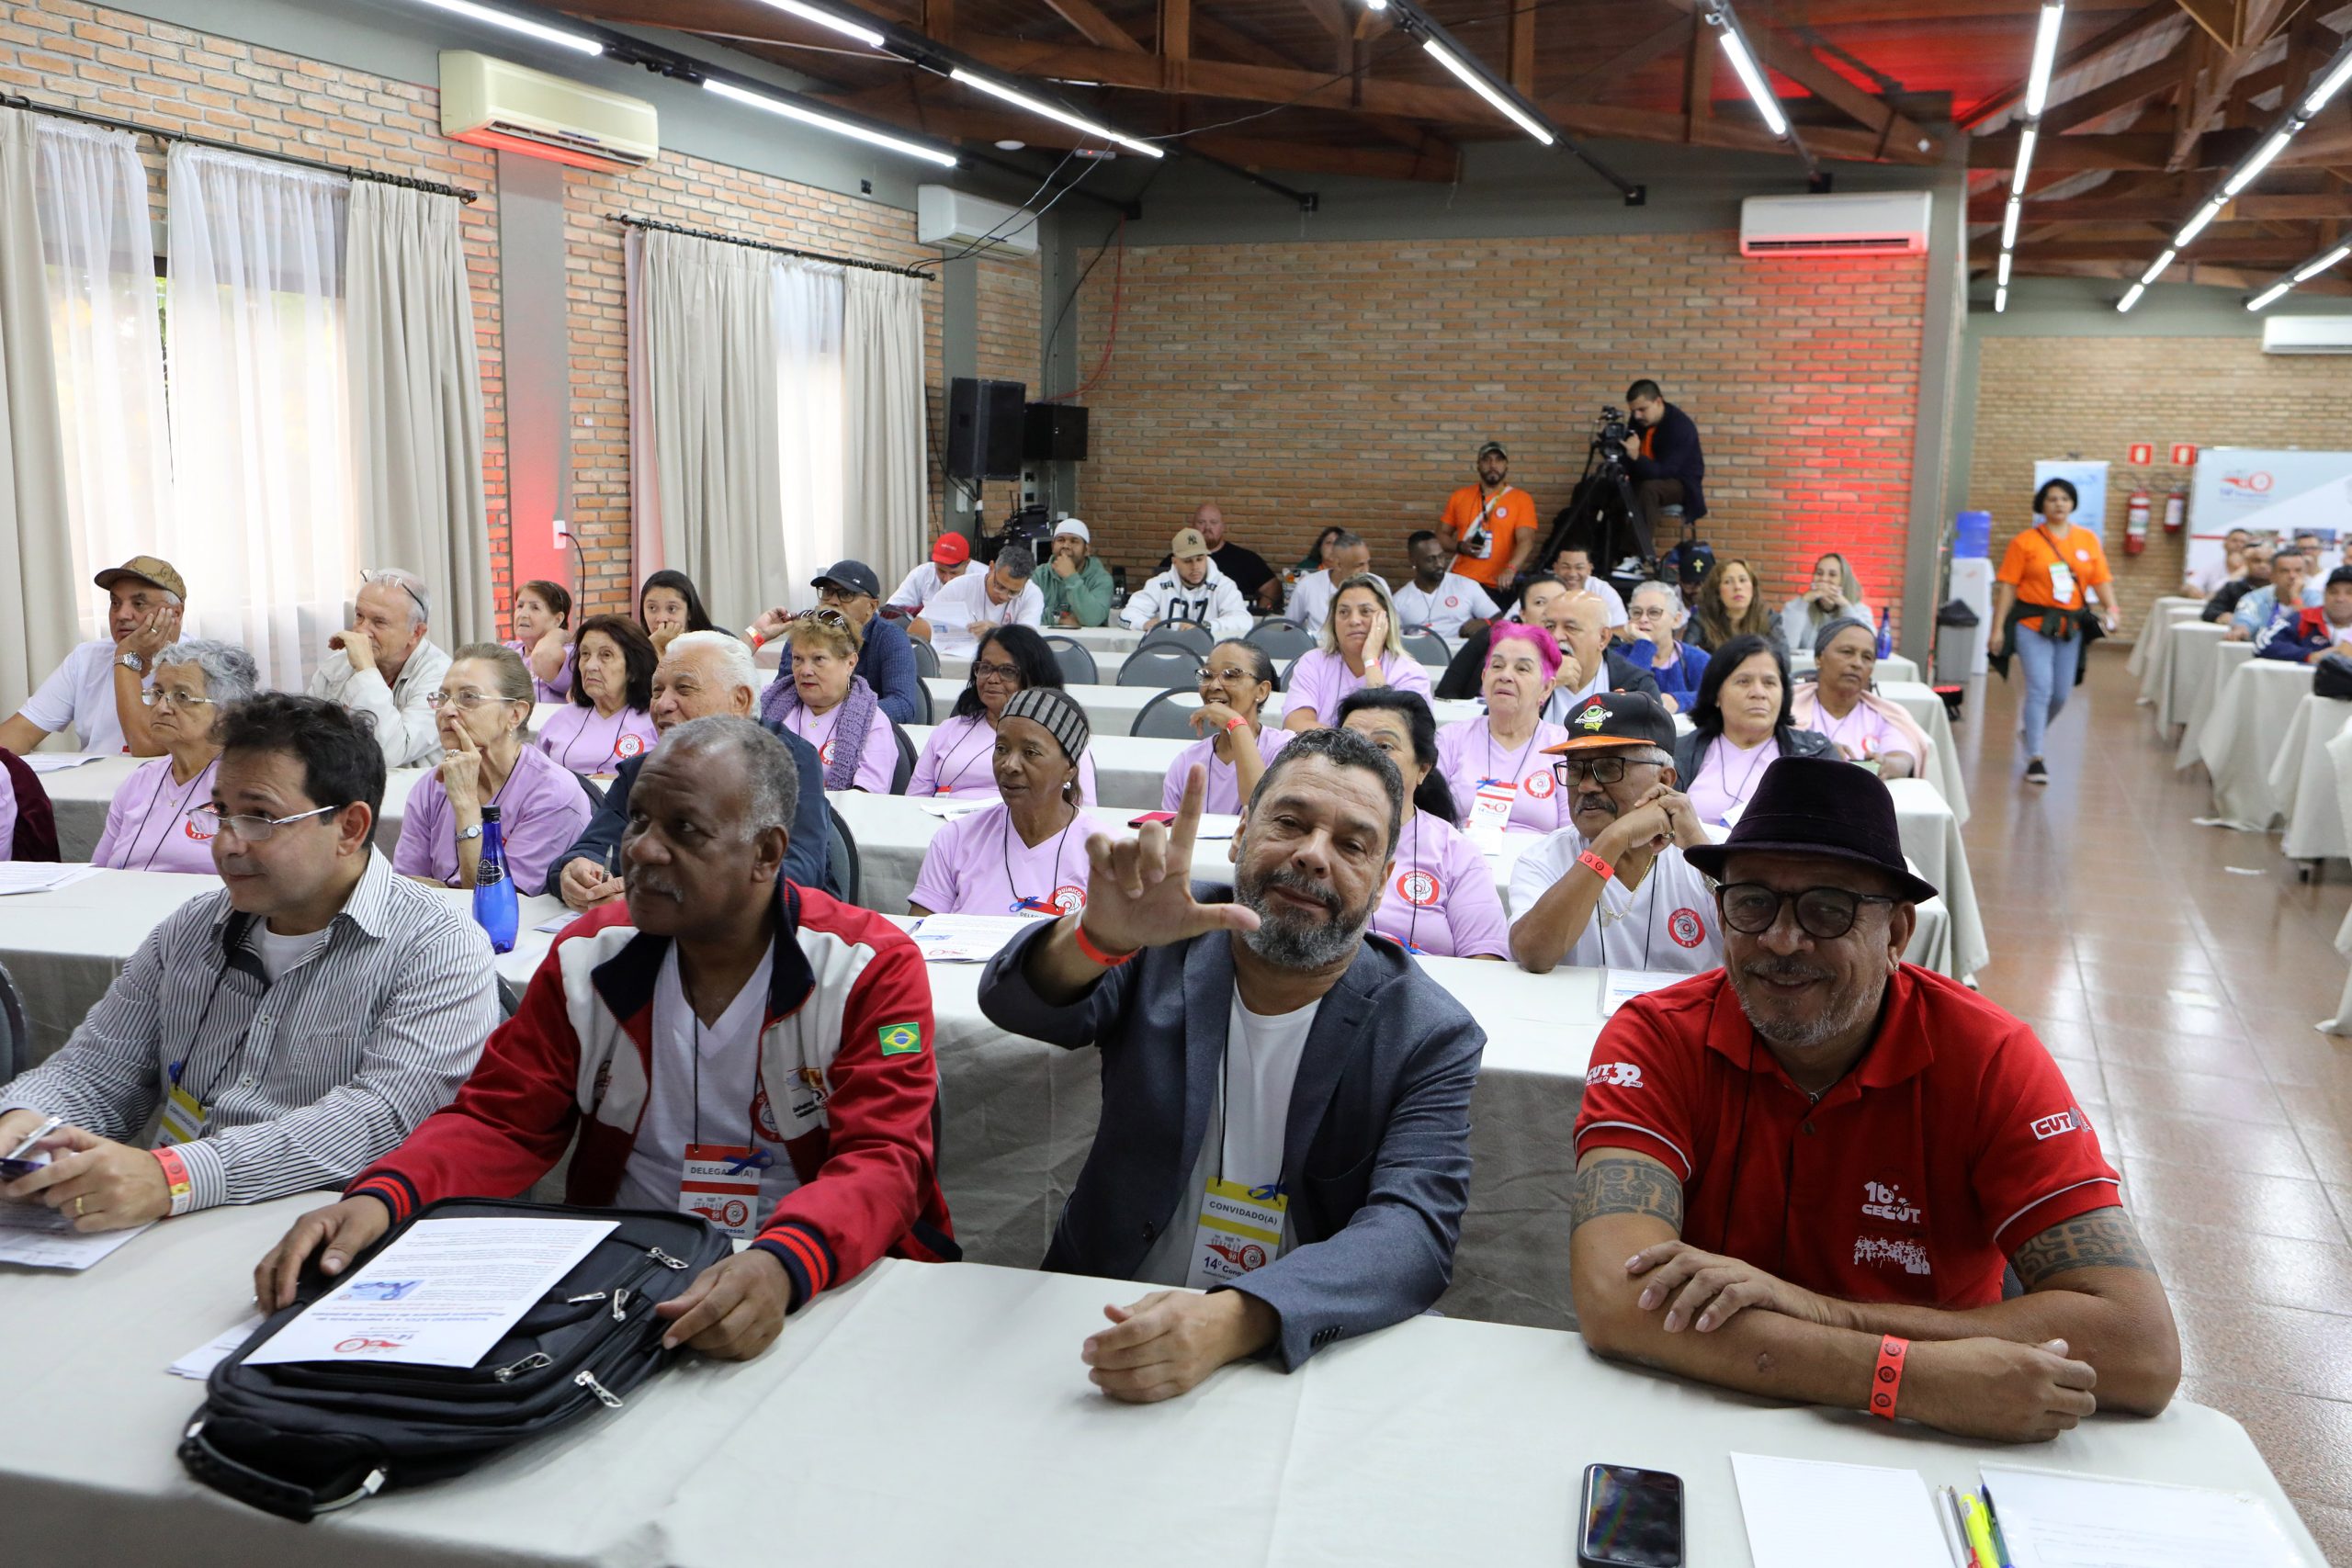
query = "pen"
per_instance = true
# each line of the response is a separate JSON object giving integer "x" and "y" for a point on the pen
{"x": 35, "y": 1137}
{"x": 1948, "y": 1516}
{"x": 2000, "y": 1542}
{"x": 1980, "y": 1535}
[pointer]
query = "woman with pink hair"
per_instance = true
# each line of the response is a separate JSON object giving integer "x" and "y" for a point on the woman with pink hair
{"x": 1502, "y": 780}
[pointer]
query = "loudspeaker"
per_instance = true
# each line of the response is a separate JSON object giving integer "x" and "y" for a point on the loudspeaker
{"x": 984, "y": 428}
{"x": 1054, "y": 433}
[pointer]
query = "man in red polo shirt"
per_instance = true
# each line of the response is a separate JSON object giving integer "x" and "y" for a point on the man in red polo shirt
{"x": 1801, "y": 1176}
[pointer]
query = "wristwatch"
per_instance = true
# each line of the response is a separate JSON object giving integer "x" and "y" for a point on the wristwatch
{"x": 133, "y": 662}
{"x": 472, "y": 832}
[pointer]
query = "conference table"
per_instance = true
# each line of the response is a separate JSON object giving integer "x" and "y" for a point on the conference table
{"x": 2152, "y": 650}
{"x": 2215, "y": 664}
{"x": 78, "y": 798}
{"x": 2245, "y": 733}
{"x": 2304, "y": 777}
{"x": 929, "y": 1414}
{"x": 2200, "y": 650}
{"x": 1111, "y": 709}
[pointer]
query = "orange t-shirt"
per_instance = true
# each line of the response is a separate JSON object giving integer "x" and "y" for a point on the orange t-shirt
{"x": 2025, "y": 566}
{"x": 1507, "y": 511}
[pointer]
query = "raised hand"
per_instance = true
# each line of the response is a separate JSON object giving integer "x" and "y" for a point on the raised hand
{"x": 1139, "y": 891}
{"x": 771, "y": 624}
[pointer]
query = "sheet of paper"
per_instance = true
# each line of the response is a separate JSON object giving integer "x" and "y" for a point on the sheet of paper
{"x": 953, "y": 804}
{"x": 440, "y": 1296}
{"x": 57, "y": 762}
{"x": 1621, "y": 986}
{"x": 1216, "y": 825}
{"x": 41, "y": 876}
{"x": 68, "y": 1249}
{"x": 1808, "y": 1513}
{"x": 198, "y": 1363}
{"x": 2053, "y": 1520}
{"x": 967, "y": 939}
{"x": 550, "y": 928}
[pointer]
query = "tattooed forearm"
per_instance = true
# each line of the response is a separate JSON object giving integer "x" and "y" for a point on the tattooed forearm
{"x": 1627, "y": 1186}
{"x": 2101, "y": 1239}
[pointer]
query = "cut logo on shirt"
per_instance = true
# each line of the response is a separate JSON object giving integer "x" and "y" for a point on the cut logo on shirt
{"x": 2050, "y": 1126}
{"x": 1541, "y": 785}
{"x": 629, "y": 745}
{"x": 1884, "y": 1200}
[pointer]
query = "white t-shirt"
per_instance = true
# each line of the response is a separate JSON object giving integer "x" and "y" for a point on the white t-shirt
{"x": 1667, "y": 923}
{"x": 727, "y": 1084}
{"x": 279, "y": 954}
{"x": 966, "y": 600}
{"x": 916, "y": 591}
{"x": 2207, "y": 579}
{"x": 79, "y": 694}
{"x": 1248, "y": 1125}
{"x": 1311, "y": 599}
{"x": 1442, "y": 609}
{"x": 1558, "y": 708}
{"x": 1607, "y": 593}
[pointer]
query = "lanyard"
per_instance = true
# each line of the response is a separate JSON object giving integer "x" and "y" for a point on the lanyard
{"x": 1023, "y": 903}
{"x": 1740, "y": 796}
{"x": 941, "y": 782}
{"x": 179, "y": 811}
{"x": 1604, "y": 921}
{"x": 620, "y": 718}
{"x": 1518, "y": 763}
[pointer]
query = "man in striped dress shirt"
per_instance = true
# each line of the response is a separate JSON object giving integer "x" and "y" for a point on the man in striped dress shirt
{"x": 279, "y": 1034}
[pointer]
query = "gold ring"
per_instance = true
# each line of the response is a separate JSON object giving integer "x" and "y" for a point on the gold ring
{"x": 77, "y": 1207}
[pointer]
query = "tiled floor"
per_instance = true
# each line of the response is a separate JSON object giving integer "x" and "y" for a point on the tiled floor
{"x": 2176, "y": 972}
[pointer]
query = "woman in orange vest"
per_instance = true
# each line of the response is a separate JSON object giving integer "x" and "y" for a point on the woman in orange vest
{"x": 2040, "y": 610}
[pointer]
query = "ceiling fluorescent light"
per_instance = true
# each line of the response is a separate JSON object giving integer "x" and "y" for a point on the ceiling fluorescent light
{"x": 2255, "y": 165}
{"x": 2131, "y": 296}
{"x": 827, "y": 122}
{"x": 858, "y": 30}
{"x": 514, "y": 24}
{"x": 2026, "y": 139}
{"x": 2001, "y": 271}
{"x": 1753, "y": 79}
{"x": 2316, "y": 99}
{"x": 2157, "y": 270}
{"x": 1476, "y": 82}
{"x": 1040, "y": 106}
{"x": 2196, "y": 226}
{"x": 2306, "y": 273}
{"x": 1375, "y": 5}
{"x": 2000, "y": 300}
{"x": 2009, "y": 223}
{"x": 2045, "y": 54}
{"x": 2268, "y": 295}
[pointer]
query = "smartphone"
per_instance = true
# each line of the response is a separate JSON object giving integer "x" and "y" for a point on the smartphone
{"x": 15, "y": 1169}
{"x": 1151, "y": 817}
{"x": 1633, "y": 1519}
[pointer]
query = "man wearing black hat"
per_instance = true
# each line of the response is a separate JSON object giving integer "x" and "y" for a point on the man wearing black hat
{"x": 1490, "y": 525}
{"x": 1615, "y": 890}
{"x": 1803, "y": 1176}
{"x": 885, "y": 657}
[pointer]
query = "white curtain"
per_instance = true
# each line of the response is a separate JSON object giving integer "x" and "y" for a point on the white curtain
{"x": 810, "y": 433}
{"x": 106, "y": 334}
{"x": 886, "y": 452}
{"x": 260, "y": 403}
{"x": 416, "y": 403}
{"x": 38, "y": 627}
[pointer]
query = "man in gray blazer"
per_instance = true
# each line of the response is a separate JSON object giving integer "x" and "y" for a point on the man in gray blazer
{"x": 1286, "y": 1105}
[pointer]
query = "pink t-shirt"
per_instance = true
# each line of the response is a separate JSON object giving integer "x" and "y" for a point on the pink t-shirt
{"x": 541, "y": 809}
{"x": 1440, "y": 896}
{"x": 977, "y": 865}
{"x": 1468, "y": 755}
{"x": 148, "y": 826}
{"x": 585, "y": 743}
{"x": 960, "y": 760}
{"x": 554, "y": 691}
{"x": 1225, "y": 783}
{"x": 1865, "y": 732}
{"x": 876, "y": 763}
{"x": 1320, "y": 681}
{"x": 1727, "y": 778}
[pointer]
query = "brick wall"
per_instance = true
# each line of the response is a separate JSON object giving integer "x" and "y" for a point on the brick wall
{"x": 1300, "y": 385}
{"x": 2048, "y": 397}
{"x": 111, "y": 62}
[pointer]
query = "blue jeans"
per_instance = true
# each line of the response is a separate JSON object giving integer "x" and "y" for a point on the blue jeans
{"x": 2049, "y": 676}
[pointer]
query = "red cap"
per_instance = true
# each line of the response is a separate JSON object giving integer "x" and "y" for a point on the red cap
{"x": 951, "y": 550}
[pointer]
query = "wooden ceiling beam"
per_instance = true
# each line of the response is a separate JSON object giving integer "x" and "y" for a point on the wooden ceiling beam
{"x": 2226, "y": 61}
{"x": 2123, "y": 93}
{"x": 1679, "y": 33}
{"x": 2118, "y": 149}
{"x": 2082, "y": 54}
{"x": 1791, "y": 58}
{"x": 1518, "y": 50}
{"x": 2165, "y": 210}
{"x": 1096, "y": 27}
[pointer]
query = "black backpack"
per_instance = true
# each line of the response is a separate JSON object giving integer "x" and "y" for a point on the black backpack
{"x": 302, "y": 1439}
{"x": 2332, "y": 677}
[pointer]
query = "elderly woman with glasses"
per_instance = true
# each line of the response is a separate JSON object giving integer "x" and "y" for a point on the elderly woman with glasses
{"x": 483, "y": 710}
{"x": 1654, "y": 616}
{"x": 1235, "y": 746}
{"x": 148, "y": 825}
{"x": 960, "y": 758}
{"x": 828, "y": 703}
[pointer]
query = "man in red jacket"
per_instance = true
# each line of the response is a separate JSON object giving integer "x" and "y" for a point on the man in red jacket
{"x": 722, "y": 1043}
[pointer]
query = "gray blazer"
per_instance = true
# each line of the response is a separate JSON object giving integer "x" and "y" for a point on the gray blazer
{"x": 1377, "y": 1155}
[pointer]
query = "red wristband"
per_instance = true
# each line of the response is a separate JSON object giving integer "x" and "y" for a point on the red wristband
{"x": 176, "y": 1177}
{"x": 1887, "y": 1380}
{"x": 1095, "y": 954}
{"x": 1594, "y": 864}
{"x": 1237, "y": 723}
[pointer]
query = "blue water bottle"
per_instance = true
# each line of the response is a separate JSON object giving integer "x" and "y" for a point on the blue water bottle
{"x": 495, "y": 907}
{"x": 1886, "y": 636}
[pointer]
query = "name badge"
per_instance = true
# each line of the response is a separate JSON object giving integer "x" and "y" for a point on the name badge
{"x": 2062, "y": 580}
{"x": 721, "y": 1183}
{"x": 1240, "y": 1230}
{"x": 183, "y": 1118}
{"x": 1490, "y": 813}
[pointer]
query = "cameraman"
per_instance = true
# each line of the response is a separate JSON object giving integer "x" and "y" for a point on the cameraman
{"x": 1489, "y": 527}
{"x": 1666, "y": 464}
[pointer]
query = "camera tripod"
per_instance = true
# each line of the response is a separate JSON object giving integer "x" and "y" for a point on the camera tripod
{"x": 1598, "y": 516}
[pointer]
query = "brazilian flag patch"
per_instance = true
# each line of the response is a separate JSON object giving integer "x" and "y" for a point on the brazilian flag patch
{"x": 900, "y": 1039}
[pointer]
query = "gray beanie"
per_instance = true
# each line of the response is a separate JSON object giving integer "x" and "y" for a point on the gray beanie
{"x": 1821, "y": 638}
{"x": 1056, "y": 711}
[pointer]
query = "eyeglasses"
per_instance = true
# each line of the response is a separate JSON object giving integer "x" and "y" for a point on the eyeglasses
{"x": 1600, "y": 770}
{"x": 825, "y": 616}
{"x": 252, "y": 830}
{"x": 1232, "y": 675}
{"x": 1824, "y": 913}
{"x": 995, "y": 672}
{"x": 158, "y": 696}
{"x": 401, "y": 584}
{"x": 466, "y": 700}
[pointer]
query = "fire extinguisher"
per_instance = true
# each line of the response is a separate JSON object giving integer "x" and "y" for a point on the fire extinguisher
{"x": 2135, "y": 523}
{"x": 2175, "y": 509}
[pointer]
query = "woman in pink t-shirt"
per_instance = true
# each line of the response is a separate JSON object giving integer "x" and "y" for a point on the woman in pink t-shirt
{"x": 542, "y": 612}
{"x": 1358, "y": 645}
{"x": 960, "y": 757}
{"x": 607, "y": 720}
{"x": 1839, "y": 706}
{"x": 1439, "y": 898}
{"x": 1501, "y": 755}
{"x": 828, "y": 703}
{"x": 148, "y": 825}
{"x": 1026, "y": 854}
{"x": 483, "y": 715}
{"x": 1236, "y": 745}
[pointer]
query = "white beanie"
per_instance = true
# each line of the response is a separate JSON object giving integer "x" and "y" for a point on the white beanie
{"x": 1072, "y": 525}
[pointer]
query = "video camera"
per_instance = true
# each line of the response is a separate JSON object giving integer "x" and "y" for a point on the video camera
{"x": 1610, "y": 432}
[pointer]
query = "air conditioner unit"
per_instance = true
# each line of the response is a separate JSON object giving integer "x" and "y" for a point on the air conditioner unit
{"x": 1868, "y": 223}
{"x": 953, "y": 221}
{"x": 493, "y": 103}
{"x": 2307, "y": 334}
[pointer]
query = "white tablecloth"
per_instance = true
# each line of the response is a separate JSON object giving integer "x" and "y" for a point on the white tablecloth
{"x": 2303, "y": 778}
{"x": 2244, "y": 733}
{"x": 1111, "y": 709}
{"x": 1926, "y": 710}
{"x": 2198, "y": 647}
{"x": 2151, "y": 659}
{"x": 1107, "y": 665}
{"x": 79, "y": 798}
{"x": 939, "y": 1414}
{"x": 2217, "y": 662}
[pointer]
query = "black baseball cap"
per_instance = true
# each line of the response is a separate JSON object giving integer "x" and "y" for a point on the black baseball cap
{"x": 1497, "y": 448}
{"x": 1617, "y": 719}
{"x": 854, "y": 576}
